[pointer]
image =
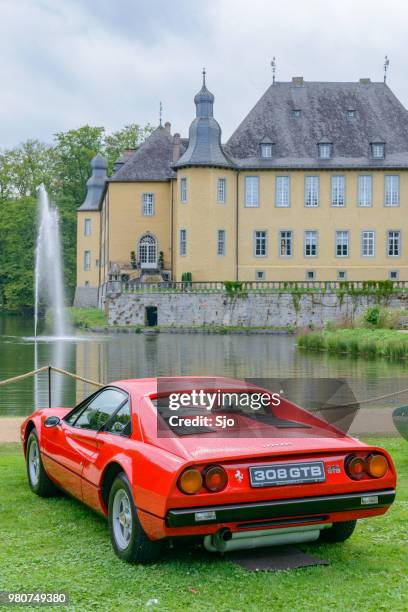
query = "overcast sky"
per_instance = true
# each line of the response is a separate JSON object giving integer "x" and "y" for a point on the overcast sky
{"x": 65, "y": 63}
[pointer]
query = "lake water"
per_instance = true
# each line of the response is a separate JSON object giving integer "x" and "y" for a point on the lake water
{"x": 113, "y": 356}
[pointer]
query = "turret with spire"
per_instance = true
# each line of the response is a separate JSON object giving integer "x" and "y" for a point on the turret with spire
{"x": 95, "y": 183}
{"x": 204, "y": 144}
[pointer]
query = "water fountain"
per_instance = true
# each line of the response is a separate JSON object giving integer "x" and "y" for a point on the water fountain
{"x": 49, "y": 286}
{"x": 49, "y": 292}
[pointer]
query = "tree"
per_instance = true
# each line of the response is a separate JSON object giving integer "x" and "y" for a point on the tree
{"x": 17, "y": 246}
{"x": 74, "y": 151}
{"x": 24, "y": 168}
{"x": 130, "y": 137}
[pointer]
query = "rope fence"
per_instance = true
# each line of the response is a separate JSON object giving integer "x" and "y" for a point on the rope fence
{"x": 49, "y": 369}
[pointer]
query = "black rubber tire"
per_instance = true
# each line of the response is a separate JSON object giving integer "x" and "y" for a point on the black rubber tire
{"x": 339, "y": 532}
{"x": 140, "y": 548}
{"x": 44, "y": 487}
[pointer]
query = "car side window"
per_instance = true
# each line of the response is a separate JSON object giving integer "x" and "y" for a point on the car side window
{"x": 120, "y": 423}
{"x": 99, "y": 410}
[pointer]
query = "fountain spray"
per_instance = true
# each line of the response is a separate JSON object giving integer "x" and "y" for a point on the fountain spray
{"x": 49, "y": 287}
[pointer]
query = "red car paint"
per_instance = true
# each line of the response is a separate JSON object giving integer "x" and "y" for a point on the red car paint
{"x": 78, "y": 460}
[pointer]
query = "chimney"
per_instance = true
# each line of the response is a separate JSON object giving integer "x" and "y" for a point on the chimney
{"x": 298, "y": 81}
{"x": 365, "y": 81}
{"x": 176, "y": 147}
{"x": 167, "y": 126}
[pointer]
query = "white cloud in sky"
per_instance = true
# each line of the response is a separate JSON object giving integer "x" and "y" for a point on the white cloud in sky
{"x": 65, "y": 63}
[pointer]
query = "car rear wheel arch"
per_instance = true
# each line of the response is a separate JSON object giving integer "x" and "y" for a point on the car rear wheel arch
{"x": 112, "y": 470}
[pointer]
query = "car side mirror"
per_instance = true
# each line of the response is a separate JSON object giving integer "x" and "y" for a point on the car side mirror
{"x": 52, "y": 421}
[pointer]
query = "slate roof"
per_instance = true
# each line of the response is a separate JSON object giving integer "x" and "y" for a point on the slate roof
{"x": 379, "y": 117}
{"x": 151, "y": 161}
{"x": 95, "y": 184}
{"x": 204, "y": 142}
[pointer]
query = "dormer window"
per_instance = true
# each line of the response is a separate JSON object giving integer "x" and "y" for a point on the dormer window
{"x": 378, "y": 150}
{"x": 297, "y": 112}
{"x": 325, "y": 150}
{"x": 351, "y": 113}
{"x": 266, "y": 150}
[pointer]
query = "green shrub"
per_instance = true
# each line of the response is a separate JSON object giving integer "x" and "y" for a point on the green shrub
{"x": 372, "y": 315}
{"x": 233, "y": 288}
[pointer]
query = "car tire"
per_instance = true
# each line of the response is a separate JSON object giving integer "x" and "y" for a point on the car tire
{"x": 38, "y": 480}
{"x": 339, "y": 532}
{"x": 129, "y": 540}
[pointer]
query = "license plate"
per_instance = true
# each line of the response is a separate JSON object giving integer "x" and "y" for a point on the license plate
{"x": 276, "y": 474}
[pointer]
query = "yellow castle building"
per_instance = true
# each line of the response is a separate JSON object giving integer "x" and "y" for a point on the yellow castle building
{"x": 312, "y": 185}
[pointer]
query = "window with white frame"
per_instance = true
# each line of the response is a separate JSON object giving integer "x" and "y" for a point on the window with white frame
{"x": 87, "y": 261}
{"x": 148, "y": 204}
{"x": 260, "y": 243}
{"x": 310, "y": 275}
{"x": 88, "y": 227}
{"x": 342, "y": 243}
{"x": 266, "y": 150}
{"x": 221, "y": 190}
{"x": 393, "y": 275}
{"x": 377, "y": 150}
{"x": 282, "y": 191}
{"x": 310, "y": 243}
{"x": 183, "y": 242}
{"x": 394, "y": 243}
{"x": 325, "y": 150}
{"x": 252, "y": 191}
{"x": 391, "y": 190}
{"x": 312, "y": 191}
{"x": 221, "y": 242}
{"x": 368, "y": 243}
{"x": 285, "y": 243}
{"x": 351, "y": 113}
{"x": 365, "y": 190}
{"x": 183, "y": 189}
{"x": 338, "y": 188}
{"x": 259, "y": 275}
{"x": 341, "y": 274}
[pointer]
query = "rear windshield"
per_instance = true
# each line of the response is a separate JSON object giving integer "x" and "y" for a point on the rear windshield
{"x": 228, "y": 412}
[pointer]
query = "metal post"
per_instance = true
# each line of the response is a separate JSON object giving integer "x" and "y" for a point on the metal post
{"x": 49, "y": 386}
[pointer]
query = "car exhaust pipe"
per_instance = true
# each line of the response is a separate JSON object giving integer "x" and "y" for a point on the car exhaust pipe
{"x": 225, "y": 541}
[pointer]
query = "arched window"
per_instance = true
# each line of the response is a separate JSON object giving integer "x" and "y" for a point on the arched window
{"x": 148, "y": 250}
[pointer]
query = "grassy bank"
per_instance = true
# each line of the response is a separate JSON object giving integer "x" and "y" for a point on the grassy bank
{"x": 58, "y": 544}
{"x": 86, "y": 317}
{"x": 357, "y": 341}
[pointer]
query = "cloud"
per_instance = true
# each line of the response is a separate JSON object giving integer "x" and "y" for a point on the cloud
{"x": 70, "y": 62}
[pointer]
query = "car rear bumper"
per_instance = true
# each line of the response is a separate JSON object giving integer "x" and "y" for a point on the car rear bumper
{"x": 275, "y": 509}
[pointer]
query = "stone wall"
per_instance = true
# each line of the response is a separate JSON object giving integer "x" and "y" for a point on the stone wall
{"x": 253, "y": 311}
{"x": 86, "y": 297}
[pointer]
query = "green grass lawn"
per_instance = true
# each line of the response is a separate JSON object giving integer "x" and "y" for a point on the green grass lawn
{"x": 58, "y": 544}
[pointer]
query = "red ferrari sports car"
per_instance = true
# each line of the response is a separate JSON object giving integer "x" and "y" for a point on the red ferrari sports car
{"x": 236, "y": 477}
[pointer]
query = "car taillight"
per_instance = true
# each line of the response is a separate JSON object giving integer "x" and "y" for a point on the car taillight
{"x": 215, "y": 478}
{"x": 377, "y": 465}
{"x": 190, "y": 481}
{"x": 355, "y": 467}
{"x": 374, "y": 466}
